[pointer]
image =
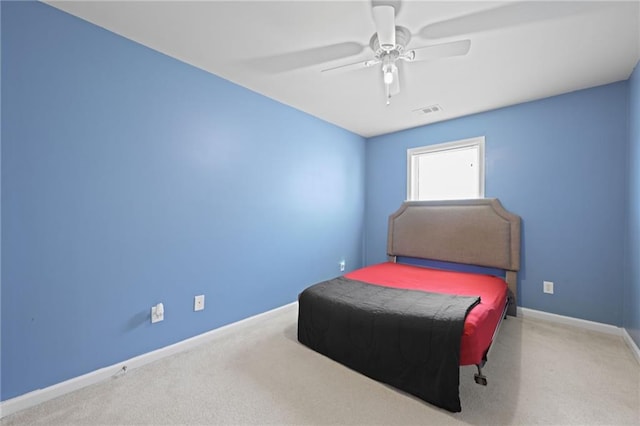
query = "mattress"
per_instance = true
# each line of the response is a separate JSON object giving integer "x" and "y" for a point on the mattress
{"x": 480, "y": 322}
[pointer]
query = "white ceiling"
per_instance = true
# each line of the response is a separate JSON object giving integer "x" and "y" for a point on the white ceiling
{"x": 519, "y": 51}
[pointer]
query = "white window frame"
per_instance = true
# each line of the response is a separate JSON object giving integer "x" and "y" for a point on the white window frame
{"x": 413, "y": 155}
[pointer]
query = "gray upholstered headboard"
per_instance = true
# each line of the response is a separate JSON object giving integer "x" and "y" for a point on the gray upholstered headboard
{"x": 475, "y": 232}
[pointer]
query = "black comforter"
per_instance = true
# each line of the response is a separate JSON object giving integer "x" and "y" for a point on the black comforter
{"x": 407, "y": 339}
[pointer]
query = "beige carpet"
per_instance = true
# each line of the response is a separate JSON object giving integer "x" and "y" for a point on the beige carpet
{"x": 539, "y": 373}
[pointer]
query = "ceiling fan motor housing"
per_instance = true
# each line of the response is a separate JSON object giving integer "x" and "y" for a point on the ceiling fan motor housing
{"x": 396, "y": 4}
{"x": 402, "y": 39}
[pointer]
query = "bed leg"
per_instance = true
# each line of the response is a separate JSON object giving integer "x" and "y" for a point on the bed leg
{"x": 480, "y": 378}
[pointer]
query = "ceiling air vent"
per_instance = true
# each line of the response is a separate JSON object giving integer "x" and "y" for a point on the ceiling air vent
{"x": 428, "y": 109}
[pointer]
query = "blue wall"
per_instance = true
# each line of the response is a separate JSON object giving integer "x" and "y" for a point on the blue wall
{"x": 130, "y": 178}
{"x": 560, "y": 164}
{"x": 632, "y": 289}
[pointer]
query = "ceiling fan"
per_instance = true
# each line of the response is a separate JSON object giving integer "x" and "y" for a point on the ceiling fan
{"x": 389, "y": 44}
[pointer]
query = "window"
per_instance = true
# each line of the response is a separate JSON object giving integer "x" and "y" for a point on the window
{"x": 447, "y": 171}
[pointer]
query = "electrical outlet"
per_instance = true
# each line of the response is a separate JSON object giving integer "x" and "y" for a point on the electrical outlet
{"x": 547, "y": 287}
{"x": 198, "y": 303}
{"x": 157, "y": 313}
{"x": 342, "y": 264}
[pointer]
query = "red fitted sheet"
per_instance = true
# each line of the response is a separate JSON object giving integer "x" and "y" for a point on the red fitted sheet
{"x": 481, "y": 321}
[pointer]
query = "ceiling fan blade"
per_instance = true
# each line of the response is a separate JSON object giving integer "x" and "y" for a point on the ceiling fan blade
{"x": 443, "y": 50}
{"x": 384, "y": 18}
{"x": 351, "y": 66}
{"x": 520, "y": 13}
{"x": 394, "y": 87}
{"x": 304, "y": 58}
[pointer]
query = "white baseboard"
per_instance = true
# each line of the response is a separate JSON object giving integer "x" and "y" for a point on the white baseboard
{"x": 584, "y": 324}
{"x": 575, "y": 322}
{"x": 36, "y": 397}
{"x": 632, "y": 345}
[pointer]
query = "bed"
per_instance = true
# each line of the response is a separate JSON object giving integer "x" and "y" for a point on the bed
{"x": 412, "y": 326}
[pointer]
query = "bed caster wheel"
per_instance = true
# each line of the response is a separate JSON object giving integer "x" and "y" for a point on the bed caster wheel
{"x": 481, "y": 380}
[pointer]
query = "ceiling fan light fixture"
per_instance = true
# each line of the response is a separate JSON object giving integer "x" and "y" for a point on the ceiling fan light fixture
{"x": 387, "y": 72}
{"x": 388, "y": 77}
{"x": 389, "y": 68}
